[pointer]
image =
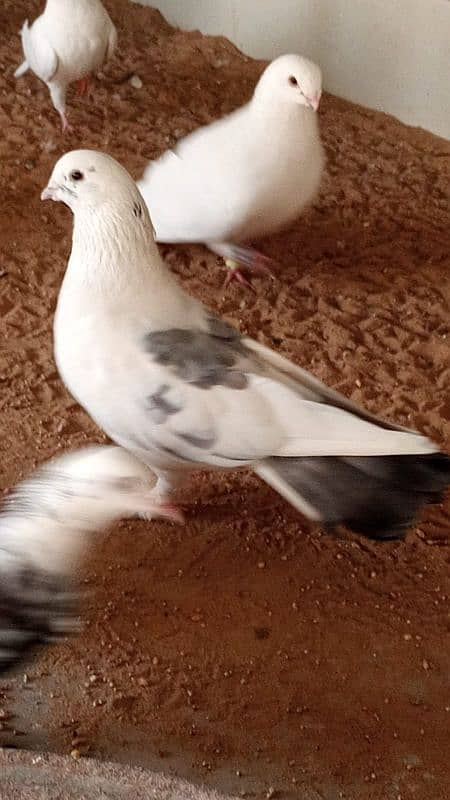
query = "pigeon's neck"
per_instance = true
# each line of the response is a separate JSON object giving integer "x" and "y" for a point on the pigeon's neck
{"x": 113, "y": 251}
{"x": 57, "y": 4}
{"x": 283, "y": 115}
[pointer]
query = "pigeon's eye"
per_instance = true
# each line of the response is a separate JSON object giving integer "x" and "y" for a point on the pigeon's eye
{"x": 76, "y": 175}
{"x": 293, "y": 80}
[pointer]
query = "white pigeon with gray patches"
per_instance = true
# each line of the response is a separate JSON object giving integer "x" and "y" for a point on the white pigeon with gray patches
{"x": 247, "y": 175}
{"x": 183, "y": 390}
{"x": 67, "y": 43}
{"x": 46, "y": 528}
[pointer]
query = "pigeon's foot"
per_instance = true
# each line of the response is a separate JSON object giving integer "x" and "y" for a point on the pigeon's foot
{"x": 165, "y": 510}
{"x": 159, "y": 496}
{"x": 83, "y": 86}
{"x": 247, "y": 260}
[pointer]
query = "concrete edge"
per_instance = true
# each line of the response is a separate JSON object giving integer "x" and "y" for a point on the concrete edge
{"x": 41, "y": 776}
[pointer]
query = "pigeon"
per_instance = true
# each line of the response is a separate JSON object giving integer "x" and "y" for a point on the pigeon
{"x": 244, "y": 176}
{"x": 46, "y": 525}
{"x": 70, "y": 40}
{"x": 183, "y": 390}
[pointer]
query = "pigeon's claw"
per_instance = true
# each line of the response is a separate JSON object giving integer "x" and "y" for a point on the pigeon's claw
{"x": 246, "y": 259}
{"x": 252, "y": 260}
{"x": 235, "y": 274}
{"x": 163, "y": 511}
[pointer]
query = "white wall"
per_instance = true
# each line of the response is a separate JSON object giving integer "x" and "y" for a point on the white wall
{"x": 393, "y": 55}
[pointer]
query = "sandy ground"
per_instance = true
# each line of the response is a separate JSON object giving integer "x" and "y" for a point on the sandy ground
{"x": 247, "y": 650}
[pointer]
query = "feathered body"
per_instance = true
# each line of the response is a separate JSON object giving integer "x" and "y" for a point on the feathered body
{"x": 69, "y": 41}
{"x": 183, "y": 390}
{"x": 246, "y": 175}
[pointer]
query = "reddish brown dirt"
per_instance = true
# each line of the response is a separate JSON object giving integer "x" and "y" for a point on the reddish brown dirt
{"x": 247, "y": 649}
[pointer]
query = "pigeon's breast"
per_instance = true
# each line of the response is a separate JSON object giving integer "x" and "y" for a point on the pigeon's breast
{"x": 283, "y": 184}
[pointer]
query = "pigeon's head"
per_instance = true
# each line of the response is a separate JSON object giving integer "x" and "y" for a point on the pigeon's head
{"x": 88, "y": 180}
{"x": 102, "y": 483}
{"x": 292, "y": 79}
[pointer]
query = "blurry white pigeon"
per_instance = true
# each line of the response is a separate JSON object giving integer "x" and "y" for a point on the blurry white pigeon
{"x": 246, "y": 175}
{"x": 68, "y": 42}
{"x": 45, "y": 529}
{"x": 182, "y": 390}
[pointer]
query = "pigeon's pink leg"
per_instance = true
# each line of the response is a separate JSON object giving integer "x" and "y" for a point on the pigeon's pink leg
{"x": 159, "y": 496}
{"x": 66, "y": 127}
{"x": 83, "y": 86}
{"x": 167, "y": 510}
{"x": 239, "y": 259}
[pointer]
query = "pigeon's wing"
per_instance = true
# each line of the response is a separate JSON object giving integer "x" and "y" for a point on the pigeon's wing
{"x": 212, "y": 398}
{"x": 193, "y": 400}
{"x": 216, "y": 396}
{"x": 203, "y": 190}
{"x": 39, "y": 53}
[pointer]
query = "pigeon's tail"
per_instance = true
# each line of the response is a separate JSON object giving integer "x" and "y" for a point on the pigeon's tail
{"x": 378, "y": 496}
{"x": 24, "y": 67}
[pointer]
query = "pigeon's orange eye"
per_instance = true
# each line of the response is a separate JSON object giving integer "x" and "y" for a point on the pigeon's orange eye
{"x": 76, "y": 175}
{"x": 293, "y": 80}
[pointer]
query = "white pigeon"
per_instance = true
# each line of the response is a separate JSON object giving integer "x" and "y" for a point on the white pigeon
{"x": 183, "y": 390}
{"x": 247, "y": 175}
{"x": 46, "y": 526}
{"x": 68, "y": 42}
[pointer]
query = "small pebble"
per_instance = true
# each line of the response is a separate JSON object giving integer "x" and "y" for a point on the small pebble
{"x": 136, "y": 82}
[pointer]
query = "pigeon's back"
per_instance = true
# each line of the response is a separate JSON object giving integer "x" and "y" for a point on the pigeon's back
{"x": 80, "y": 33}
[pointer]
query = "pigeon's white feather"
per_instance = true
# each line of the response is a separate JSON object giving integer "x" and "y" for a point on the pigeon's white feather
{"x": 40, "y": 55}
{"x": 70, "y": 40}
{"x": 181, "y": 389}
{"x": 24, "y": 67}
{"x": 246, "y": 175}
{"x": 46, "y": 529}
{"x": 112, "y": 42}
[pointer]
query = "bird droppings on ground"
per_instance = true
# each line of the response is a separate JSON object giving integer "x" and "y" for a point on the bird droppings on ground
{"x": 361, "y": 295}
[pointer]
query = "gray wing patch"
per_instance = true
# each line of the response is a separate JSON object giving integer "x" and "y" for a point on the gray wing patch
{"x": 222, "y": 330}
{"x": 159, "y": 405}
{"x": 202, "y": 358}
{"x": 203, "y": 442}
{"x": 161, "y": 408}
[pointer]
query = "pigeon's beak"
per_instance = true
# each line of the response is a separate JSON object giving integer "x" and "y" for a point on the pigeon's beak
{"x": 315, "y": 100}
{"x": 50, "y": 192}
